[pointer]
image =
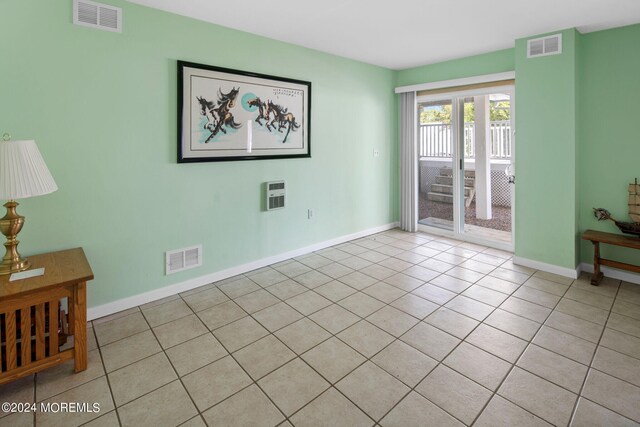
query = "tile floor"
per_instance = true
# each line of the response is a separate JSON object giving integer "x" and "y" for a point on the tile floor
{"x": 395, "y": 329}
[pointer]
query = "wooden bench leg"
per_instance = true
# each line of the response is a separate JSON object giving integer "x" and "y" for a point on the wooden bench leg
{"x": 80, "y": 326}
{"x": 597, "y": 274}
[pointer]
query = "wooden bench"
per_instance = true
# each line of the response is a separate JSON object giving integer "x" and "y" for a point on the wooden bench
{"x": 597, "y": 237}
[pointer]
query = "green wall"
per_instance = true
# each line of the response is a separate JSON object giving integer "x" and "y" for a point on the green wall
{"x": 102, "y": 108}
{"x": 546, "y": 220}
{"x": 609, "y": 147}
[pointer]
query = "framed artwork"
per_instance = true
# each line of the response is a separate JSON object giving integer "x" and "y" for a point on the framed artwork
{"x": 226, "y": 114}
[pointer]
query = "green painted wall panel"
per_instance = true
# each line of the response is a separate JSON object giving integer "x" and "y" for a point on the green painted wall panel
{"x": 102, "y": 107}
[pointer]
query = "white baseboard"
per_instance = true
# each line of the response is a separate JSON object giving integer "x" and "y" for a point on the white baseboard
{"x": 614, "y": 273}
{"x": 549, "y": 268}
{"x": 156, "y": 294}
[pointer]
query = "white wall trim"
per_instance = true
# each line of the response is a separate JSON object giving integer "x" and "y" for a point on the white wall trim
{"x": 156, "y": 294}
{"x": 614, "y": 273}
{"x": 549, "y": 268}
{"x": 486, "y": 78}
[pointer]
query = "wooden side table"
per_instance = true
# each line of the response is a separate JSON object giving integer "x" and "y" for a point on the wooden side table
{"x": 29, "y": 314}
{"x": 597, "y": 237}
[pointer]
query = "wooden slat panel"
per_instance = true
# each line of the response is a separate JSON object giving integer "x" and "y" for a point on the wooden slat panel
{"x": 33, "y": 300}
{"x": 12, "y": 356}
{"x": 79, "y": 310}
{"x": 53, "y": 327}
{"x": 37, "y": 366}
{"x": 1, "y": 332}
{"x": 40, "y": 344}
{"x": 25, "y": 327}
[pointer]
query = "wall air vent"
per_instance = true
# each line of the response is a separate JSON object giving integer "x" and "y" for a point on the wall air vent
{"x": 97, "y": 15}
{"x": 275, "y": 195}
{"x": 183, "y": 259}
{"x": 544, "y": 46}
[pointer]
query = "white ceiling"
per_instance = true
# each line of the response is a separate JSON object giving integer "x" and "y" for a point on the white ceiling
{"x": 401, "y": 34}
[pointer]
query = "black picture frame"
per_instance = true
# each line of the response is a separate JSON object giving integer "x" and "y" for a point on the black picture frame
{"x": 230, "y": 115}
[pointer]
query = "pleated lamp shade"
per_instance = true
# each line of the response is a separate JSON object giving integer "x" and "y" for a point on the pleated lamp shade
{"x": 23, "y": 172}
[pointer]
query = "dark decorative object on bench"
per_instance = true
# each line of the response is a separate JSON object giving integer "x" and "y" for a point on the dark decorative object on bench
{"x": 634, "y": 212}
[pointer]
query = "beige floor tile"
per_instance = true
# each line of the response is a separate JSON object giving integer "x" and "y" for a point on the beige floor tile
{"x": 179, "y": 331}
{"x": 331, "y": 409}
{"x": 109, "y": 419}
{"x": 373, "y": 256}
{"x": 384, "y": 292}
{"x": 366, "y": 338}
{"x": 510, "y": 275}
{"x": 488, "y": 257}
{"x": 485, "y": 295}
{"x": 499, "y": 285}
{"x": 256, "y": 301}
{"x": 497, "y": 342}
{"x": 482, "y": 367}
{"x": 129, "y": 311}
{"x": 20, "y": 390}
{"x": 430, "y": 340}
{"x": 553, "y": 367}
{"x": 357, "y": 280}
{"x": 537, "y": 297}
{"x": 268, "y": 277}
{"x": 308, "y": 303}
{"x": 361, "y": 304}
{"x": 454, "y": 323}
{"x": 589, "y": 414}
{"x": 430, "y": 253}
{"x": 621, "y": 342}
{"x": 205, "y": 287}
{"x": 250, "y": 407}
{"x": 140, "y": 378}
{"x": 333, "y": 359}
{"x": 168, "y": 405}
{"x": 513, "y": 324}
{"x": 263, "y": 356}
{"x": 55, "y": 380}
{"x": 128, "y": 350}
{"x": 577, "y": 327}
{"x": 293, "y": 269}
{"x": 548, "y": 286}
{"x": 314, "y": 260}
{"x": 119, "y": 328}
{"x": 480, "y": 267}
{"x": 565, "y": 344}
{"x": 194, "y": 422}
{"x": 240, "y": 333}
{"x": 287, "y": 289}
{"x": 613, "y": 394}
{"x": 607, "y": 287}
{"x": 378, "y": 272}
{"x": 462, "y": 251}
{"x": 450, "y": 258}
{"x": 355, "y": 262}
{"x": 618, "y": 365}
{"x": 416, "y": 411}
{"x": 582, "y": 311}
{"x": 435, "y": 265}
{"x": 470, "y": 307}
{"x": 221, "y": 314}
{"x": 334, "y": 318}
{"x": 334, "y": 291}
{"x": 277, "y": 316}
{"x": 204, "y": 300}
{"x": 313, "y": 279}
{"x": 626, "y": 309}
{"x": 501, "y": 412}
{"x": 414, "y": 305}
{"x": 18, "y": 419}
{"x": 372, "y": 389}
{"x": 334, "y": 254}
{"x": 596, "y": 300}
{"x": 404, "y": 282}
{"x": 335, "y": 270}
{"x": 96, "y": 391}
{"x": 451, "y": 283}
{"x": 411, "y": 257}
{"x": 404, "y": 362}
{"x": 293, "y": 386}
{"x": 351, "y": 248}
{"x": 509, "y": 265}
{"x": 389, "y": 250}
{"x": 239, "y": 287}
{"x": 456, "y": 394}
{"x": 538, "y": 396}
{"x": 625, "y": 324}
{"x": 553, "y": 277}
{"x": 392, "y": 320}
{"x": 465, "y": 274}
{"x": 195, "y": 353}
{"x": 395, "y": 264}
{"x": 421, "y": 272}
{"x": 434, "y": 293}
{"x": 172, "y": 310}
{"x": 215, "y": 382}
{"x": 526, "y": 309}
{"x": 92, "y": 343}
{"x": 300, "y": 336}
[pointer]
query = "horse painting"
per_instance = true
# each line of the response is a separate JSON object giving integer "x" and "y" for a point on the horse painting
{"x": 219, "y": 115}
{"x": 283, "y": 118}
{"x": 263, "y": 111}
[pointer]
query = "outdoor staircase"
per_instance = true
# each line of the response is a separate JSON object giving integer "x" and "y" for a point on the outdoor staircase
{"x": 442, "y": 190}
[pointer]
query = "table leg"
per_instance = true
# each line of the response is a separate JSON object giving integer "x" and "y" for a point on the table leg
{"x": 597, "y": 274}
{"x": 80, "y": 326}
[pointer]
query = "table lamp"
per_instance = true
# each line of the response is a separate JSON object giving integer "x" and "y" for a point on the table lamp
{"x": 23, "y": 174}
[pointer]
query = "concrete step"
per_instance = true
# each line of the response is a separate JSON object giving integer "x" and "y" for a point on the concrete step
{"x": 449, "y": 172}
{"x": 448, "y": 180}
{"x": 448, "y": 198}
{"x": 448, "y": 189}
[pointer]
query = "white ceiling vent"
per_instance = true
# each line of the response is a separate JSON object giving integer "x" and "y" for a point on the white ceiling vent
{"x": 97, "y": 15}
{"x": 275, "y": 195}
{"x": 544, "y": 46}
{"x": 183, "y": 259}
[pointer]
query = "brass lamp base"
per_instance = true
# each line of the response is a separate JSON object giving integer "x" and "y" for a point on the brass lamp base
{"x": 10, "y": 226}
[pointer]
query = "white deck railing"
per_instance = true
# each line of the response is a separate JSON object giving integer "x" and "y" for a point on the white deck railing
{"x": 435, "y": 140}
